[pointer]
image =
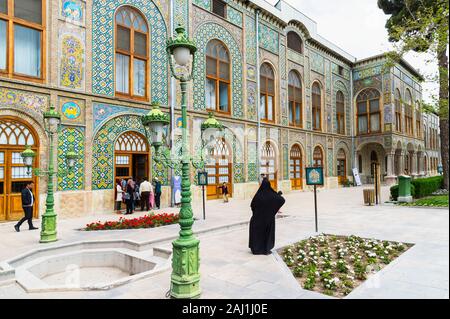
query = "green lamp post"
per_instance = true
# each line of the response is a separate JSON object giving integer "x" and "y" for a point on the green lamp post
{"x": 52, "y": 120}
{"x": 185, "y": 277}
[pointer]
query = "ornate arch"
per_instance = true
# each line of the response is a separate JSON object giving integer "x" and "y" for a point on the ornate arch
{"x": 203, "y": 34}
{"x": 103, "y": 13}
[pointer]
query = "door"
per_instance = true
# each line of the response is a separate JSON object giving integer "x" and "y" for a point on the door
{"x": 295, "y": 167}
{"x": 14, "y": 176}
{"x": 219, "y": 169}
{"x": 269, "y": 164}
{"x": 341, "y": 167}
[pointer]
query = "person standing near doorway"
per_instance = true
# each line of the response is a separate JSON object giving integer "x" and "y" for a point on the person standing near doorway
{"x": 129, "y": 198}
{"x": 157, "y": 193}
{"x": 225, "y": 192}
{"x": 27, "y": 205}
{"x": 119, "y": 196}
{"x": 145, "y": 190}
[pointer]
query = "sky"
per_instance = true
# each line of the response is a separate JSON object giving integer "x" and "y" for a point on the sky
{"x": 357, "y": 27}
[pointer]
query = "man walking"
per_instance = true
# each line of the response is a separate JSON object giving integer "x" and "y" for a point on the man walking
{"x": 27, "y": 205}
{"x": 145, "y": 189}
{"x": 157, "y": 193}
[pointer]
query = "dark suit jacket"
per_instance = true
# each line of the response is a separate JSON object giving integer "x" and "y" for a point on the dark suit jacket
{"x": 26, "y": 197}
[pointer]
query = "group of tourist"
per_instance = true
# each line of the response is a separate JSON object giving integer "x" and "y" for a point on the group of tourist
{"x": 135, "y": 194}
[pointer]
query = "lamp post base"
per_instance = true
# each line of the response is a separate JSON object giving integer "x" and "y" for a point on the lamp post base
{"x": 48, "y": 228}
{"x": 185, "y": 278}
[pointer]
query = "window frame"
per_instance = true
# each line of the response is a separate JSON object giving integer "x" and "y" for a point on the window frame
{"x": 225, "y": 7}
{"x": 409, "y": 114}
{"x": 301, "y": 50}
{"x": 340, "y": 115}
{"x": 314, "y": 107}
{"x": 368, "y": 113}
{"x": 217, "y": 79}
{"x": 267, "y": 94}
{"x": 398, "y": 111}
{"x": 296, "y": 103}
{"x": 11, "y": 21}
{"x": 132, "y": 57}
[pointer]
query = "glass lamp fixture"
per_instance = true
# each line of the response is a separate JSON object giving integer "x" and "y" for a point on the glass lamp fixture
{"x": 181, "y": 50}
{"x": 52, "y": 119}
{"x": 155, "y": 121}
{"x": 28, "y": 157}
{"x": 71, "y": 158}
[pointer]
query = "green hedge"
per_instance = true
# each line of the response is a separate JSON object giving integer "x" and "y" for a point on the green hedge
{"x": 427, "y": 186}
{"x": 421, "y": 187}
{"x": 394, "y": 191}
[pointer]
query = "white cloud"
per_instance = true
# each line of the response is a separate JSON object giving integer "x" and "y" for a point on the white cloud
{"x": 357, "y": 26}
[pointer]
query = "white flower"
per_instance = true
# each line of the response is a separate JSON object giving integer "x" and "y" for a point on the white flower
{"x": 311, "y": 253}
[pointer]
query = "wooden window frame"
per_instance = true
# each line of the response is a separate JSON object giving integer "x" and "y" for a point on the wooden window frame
{"x": 132, "y": 56}
{"x": 267, "y": 94}
{"x": 297, "y": 103}
{"x": 217, "y": 80}
{"x": 11, "y": 21}
{"x": 368, "y": 115}
{"x": 398, "y": 111}
{"x": 315, "y": 108}
{"x": 340, "y": 115}
{"x": 225, "y": 10}
{"x": 289, "y": 42}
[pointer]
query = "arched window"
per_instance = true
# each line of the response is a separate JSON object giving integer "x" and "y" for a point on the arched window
{"x": 340, "y": 112}
{"x": 295, "y": 100}
{"x": 368, "y": 112}
{"x": 131, "y": 53}
{"x": 267, "y": 93}
{"x": 268, "y": 164}
{"x": 408, "y": 113}
{"x": 317, "y": 157}
{"x": 217, "y": 77}
{"x": 398, "y": 111}
{"x": 294, "y": 42}
{"x": 418, "y": 120}
{"x": 316, "y": 107}
{"x": 295, "y": 167}
{"x": 22, "y": 26}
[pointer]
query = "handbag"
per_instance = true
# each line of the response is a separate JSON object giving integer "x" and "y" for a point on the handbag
{"x": 126, "y": 196}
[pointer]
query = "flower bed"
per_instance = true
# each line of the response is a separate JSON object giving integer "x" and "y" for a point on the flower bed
{"x": 431, "y": 201}
{"x": 147, "y": 221}
{"x": 335, "y": 265}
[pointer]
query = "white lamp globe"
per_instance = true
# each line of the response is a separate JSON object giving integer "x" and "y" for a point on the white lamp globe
{"x": 182, "y": 55}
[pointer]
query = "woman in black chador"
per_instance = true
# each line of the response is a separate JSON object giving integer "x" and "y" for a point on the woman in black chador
{"x": 265, "y": 205}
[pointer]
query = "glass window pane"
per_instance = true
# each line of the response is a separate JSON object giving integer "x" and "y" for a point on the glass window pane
{"x": 297, "y": 115}
{"x": 2, "y": 44}
{"x": 271, "y": 86}
{"x": 140, "y": 44}
{"x": 27, "y": 51}
{"x": 2, "y": 172}
{"x": 123, "y": 38}
{"x": 210, "y": 94}
{"x": 4, "y": 6}
{"x": 362, "y": 124}
{"x": 223, "y": 96}
{"x": 30, "y": 10}
{"x": 139, "y": 77}
{"x": 374, "y": 106}
{"x": 262, "y": 107}
{"x": 291, "y": 112}
{"x": 270, "y": 107}
{"x": 263, "y": 84}
{"x": 374, "y": 122}
{"x": 122, "y": 73}
{"x": 362, "y": 108}
{"x": 224, "y": 71}
{"x": 211, "y": 67}
{"x": 20, "y": 172}
{"x": 2, "y": 158}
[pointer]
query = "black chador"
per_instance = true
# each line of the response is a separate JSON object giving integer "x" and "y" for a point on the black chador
{"x": 265, "y": 205}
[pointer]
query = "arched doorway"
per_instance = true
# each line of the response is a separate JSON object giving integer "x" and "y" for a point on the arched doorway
{"x": 14, "y": 136}
{"x": 318, "y": 157}
{"x": 219, "y": 169}
{"x": 341, "y": 168}
{"x": 269, "y": 163}
{"x": 295, "y": 167}
{"x": 131, "y": 157}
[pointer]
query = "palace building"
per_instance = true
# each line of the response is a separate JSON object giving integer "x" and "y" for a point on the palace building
{"x": 288, "y": 97}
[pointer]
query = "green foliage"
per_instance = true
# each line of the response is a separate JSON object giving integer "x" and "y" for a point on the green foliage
{"x": 427, "y": 186}
{"x": 432, "y": 201}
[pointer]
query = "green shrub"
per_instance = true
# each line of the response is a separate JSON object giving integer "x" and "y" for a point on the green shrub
{"x": 394, "y": 191}
{"x": 427, "y": 186}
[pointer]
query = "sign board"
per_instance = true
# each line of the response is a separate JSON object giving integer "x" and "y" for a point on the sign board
{"x": 356, "y": 177}
{"x": 314, "y": 176}
{"x": 203, "y": 178}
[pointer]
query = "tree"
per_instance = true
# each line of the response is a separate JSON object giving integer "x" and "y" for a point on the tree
{"x": 422, "y": 26}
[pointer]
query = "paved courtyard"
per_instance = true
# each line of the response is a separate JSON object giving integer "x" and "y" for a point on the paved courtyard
{"x": 229, "y": 270}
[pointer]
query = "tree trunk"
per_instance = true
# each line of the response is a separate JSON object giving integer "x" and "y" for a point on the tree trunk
{"x": 443, "y": 110}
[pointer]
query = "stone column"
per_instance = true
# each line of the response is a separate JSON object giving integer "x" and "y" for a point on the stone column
{"x": 414, "y": 168}
{"x": 401, "y": 164}
{"x": 390, "y": 178}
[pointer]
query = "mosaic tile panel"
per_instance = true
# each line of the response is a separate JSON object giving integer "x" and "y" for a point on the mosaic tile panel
{"x": 234, "y": 16}
{"x": 283, "y": 62}
{"x": 101, "y": 112}
{"x": 317, "y": 62}
{"x": 72, "y": 11}
{"x": 250, "y": 40}
{"x": 103, "y": 47}
{"x": 71, "y": 137}
{"x": 365, "y": 73}
{"x": 251, "y": 72}
{"x": 203, "y": 35}
{"x": 330, "y": 161}
{"x": 205, "y": 4}
{"x": 268, "y": 38}
{"x": 238, "y": 172}
{"x": 251, "y": 100}
{"x": 285, "y": 161}
{"x": 25, "y": 101}
{"x": 181, "y": 14}
{"x": 252, "y": 172}
{"x": 72, "y": 59}
{"x": 103, "y": 150}
{"x": 72, "y": 110}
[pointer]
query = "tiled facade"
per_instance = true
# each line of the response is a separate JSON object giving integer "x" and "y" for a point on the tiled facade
{"x": 80, "y": 72}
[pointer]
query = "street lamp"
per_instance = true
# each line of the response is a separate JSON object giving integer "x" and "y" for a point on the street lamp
{"x": 185, "y": 277}
{"x": 52, "y": 120}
